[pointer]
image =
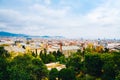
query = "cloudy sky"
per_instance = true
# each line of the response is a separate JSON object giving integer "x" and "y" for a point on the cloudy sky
{"x": 69, "y": 18}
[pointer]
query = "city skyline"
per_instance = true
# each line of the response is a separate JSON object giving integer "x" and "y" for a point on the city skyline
{"x": 69, "y": 18}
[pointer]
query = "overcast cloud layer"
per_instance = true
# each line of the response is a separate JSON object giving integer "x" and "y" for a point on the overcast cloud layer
{"x": 69, "y": 18}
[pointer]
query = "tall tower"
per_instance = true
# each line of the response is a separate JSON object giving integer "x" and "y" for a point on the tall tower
{"x": 60, "y": 44}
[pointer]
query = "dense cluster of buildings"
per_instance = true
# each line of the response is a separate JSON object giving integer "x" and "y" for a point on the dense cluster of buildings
{"x": 66, "y": 46}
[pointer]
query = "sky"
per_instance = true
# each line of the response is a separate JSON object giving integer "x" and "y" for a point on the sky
{"x": 68, "y": 18}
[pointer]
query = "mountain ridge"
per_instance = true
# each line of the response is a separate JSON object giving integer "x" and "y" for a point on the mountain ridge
{"x": 9, "y": 34}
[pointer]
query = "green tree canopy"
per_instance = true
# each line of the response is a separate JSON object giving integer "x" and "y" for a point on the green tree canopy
{"x": 53, "y": 74}
{"x": 27, "y": 67}
{"x": 67, "y": 74}
{"x": 93, "y": 64}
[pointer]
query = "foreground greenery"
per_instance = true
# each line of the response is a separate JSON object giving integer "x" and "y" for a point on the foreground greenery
{"x": 85, "y": 65}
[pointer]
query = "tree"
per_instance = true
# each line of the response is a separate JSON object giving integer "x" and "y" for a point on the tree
{"x": 62, "y": 60}
{"x": 39, "y": 69}
{"x": 47, "y": 58}
{"x": 33, "y": 54}
{"x": 17, "y": 67}
{"x": 45, "y": 51}
{"x": 116, "y": 58}
{"x": 75, "y": 63}
{"x": 41, "y": 52}
{"x": 3, "y": 69}
{"x": 51, "y": 58}
{"x": 4, "y": 64}
{"x": 53, "y": 74}
{"x": 4, "y": 53}
{"x": 27, "y": 67}
{"x": 54, "y": 53}
{"x": 106, "y": 50}
{"x": 59, "y": 54}
{"x": 80, "y": 53}
{"x": 93, "y": 64}
{"x": 118, "y": 76}
{"x": 109, "y": 67}
{"x": 43, "y": 57}
{"x": 66, "y": 74}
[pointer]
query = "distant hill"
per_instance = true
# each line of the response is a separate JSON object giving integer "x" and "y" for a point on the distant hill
{"x": 51, "y": 36}
{"x": 8, "y": 34}
{"x": 48, "y": 37}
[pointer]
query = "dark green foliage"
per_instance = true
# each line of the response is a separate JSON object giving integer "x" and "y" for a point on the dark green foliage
{"x": 60, "y": 57}
{"x": 53, "y": 74}
{"x": 57, "y": 54}
{"x": 116, "y": 58}
{"x": 109, "y": 67}
{"x": 108, "y": 71}
{"x": 34, "y": 54}
{"x": 80, "y": 66}
{"x": 45, "y": 51}
{"x": 75, "y": 63}
{"x": 43, "y": 57}
{"x": 3, "y": 64}
{"x": 18, "y": 68}
{"x": 54, "y": 53}
{"x": 3, "y": 69}
{"x": 41, "y": 52}
{"x": 106, "y": 50}
{"x": 27, "y": 68}
{"x": 47, "y": 58}
{"x": 67, "y": 74}
{"x": 93, "y": 64}
{"x": 89, "y": 77}
{"x": 52, "y": 57}
{"x": 80, "y": 53}
{"x": 39, "y": 70}
{"x": 4, "y": 53}
{"x": 62, "y": 60}
{"x": 118, "y": 76}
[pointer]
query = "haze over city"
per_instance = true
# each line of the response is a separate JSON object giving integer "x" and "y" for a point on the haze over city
{"x": 68, "y": 18}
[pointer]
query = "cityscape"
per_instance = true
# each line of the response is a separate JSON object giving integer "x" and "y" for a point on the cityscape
{"x": 56, "y": 55}
{"x": 59, "y": 40}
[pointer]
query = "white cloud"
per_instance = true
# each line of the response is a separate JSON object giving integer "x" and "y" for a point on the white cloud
{"x": 49, "y": 12}
{"x": 103, "y": 21}
{"x": 2, "y": 25}
{"x": 48, "y": 2}
{"x": 106, "y": 13}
